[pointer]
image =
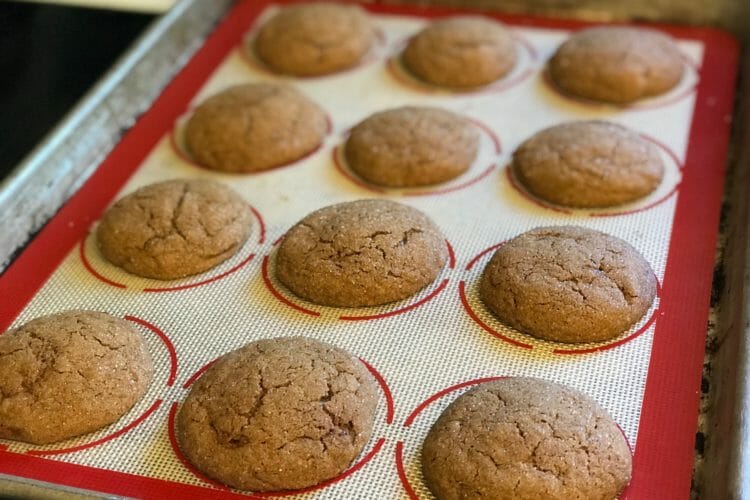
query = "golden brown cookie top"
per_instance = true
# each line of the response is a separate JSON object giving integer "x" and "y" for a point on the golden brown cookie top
{"x": 361, "y": 253}
{"x": 525, "y": 438}
{"x": 617, "y": 64}
{"x": 69, "y": 373}
{"x": 255, "y": 126}
{"x": 588, "y": 164}
{"x": 411, "y": 146}
{"x": 175, "y": 228}
{"x": 278, "y": 414}
{"x": 461, "y": 51}
{"x": 315, "y": 38}
{"x": 568, "y": 284}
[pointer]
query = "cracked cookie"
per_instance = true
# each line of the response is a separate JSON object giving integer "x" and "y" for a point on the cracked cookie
{"x": 568, "y": 284}
{"x": 255, "y": 126}
{"x": 361, "y": 253}
{"x": 174, "y": 229}
{"x": 68, "y": 374}
{"x": 525, "y": 439}
{"x": 278, "y": 414}
{"x": 411, "y": 146}
{"x": 461, "y": 51}
{"x": 588, "y": 164}
{"x": 315, "y": 39}
{"x": 617, "y": 64}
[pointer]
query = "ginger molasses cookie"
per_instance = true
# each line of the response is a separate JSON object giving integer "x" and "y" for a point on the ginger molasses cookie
{"x": 525, "y": 438}
{"x": 315, "y": 38}
{"x": 254, "y": 127}
{"x": 411, "y": 146}
{"x": 568, "y": 284}
{"x": 462, "y": 51}
{"x": 278, "y": 414}
{"x": 617, "y": 64}
{"x": 361, "y": 253}
{"x": 588, "y": 164}
{"x": 69, "y": 373}
{"x": 175, "y": 228}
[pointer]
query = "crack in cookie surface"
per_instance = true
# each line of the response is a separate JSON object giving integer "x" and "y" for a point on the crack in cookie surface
{"x": 568, "y": 284}
{"x": 279, "y": 414}
{"x": 361, "y": 253}
{"x": 411, "y": 146}
{"x": 525, "y": 438}
{"x": 68, "y": 374}
{"x": 253, "y": 127}
{"x": 588, "y": 164}
{"x": 175, "y": 228}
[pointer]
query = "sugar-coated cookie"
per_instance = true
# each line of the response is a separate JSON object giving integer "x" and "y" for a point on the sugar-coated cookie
{"x": 68, "y": 374}
{"x": 411, "y": 146}
{"x": 568, "y": 284}
{"x": 255, "y": 126}
{"x": 278, "y": 414}
{"x": 315, "y": 38}
{"x": 525, "y": 439}
{"x": 617, "y": 64}
{"x": 461, "y": 51}
{"x": 361, "y": 253}
{"x": 175, "y": 228}
{"x": 588, "y": 164}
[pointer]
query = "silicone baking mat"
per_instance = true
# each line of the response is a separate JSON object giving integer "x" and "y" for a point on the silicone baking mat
{"x": 424, "y": 350}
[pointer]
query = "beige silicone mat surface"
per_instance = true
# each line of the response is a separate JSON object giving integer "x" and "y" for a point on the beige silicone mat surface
{"x": 440, "y": 338}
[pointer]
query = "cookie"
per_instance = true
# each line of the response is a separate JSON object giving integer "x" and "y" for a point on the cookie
{"x": 278, "y": 414}
{"x": 617, "y": 64}
{"x": 411, "y": 146}
{"x": 174, "y": 229}
{"x": 361, "y": 253}
{"x": 68, "y": 374}
{"x": 462, "y": 51}
{"x": 525, "y": 438}
{"x": 568, "y": 284}
{"x": 315, "y": 39}
{"x": 254, "y": 127}
{"x": 588, "y": 164}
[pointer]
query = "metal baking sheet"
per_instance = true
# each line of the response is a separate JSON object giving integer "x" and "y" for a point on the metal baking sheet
{"x": 59, "y": 165}
{"x": 701, "y": 185}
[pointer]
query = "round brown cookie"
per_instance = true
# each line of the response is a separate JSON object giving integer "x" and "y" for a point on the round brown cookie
{"x": 278, "y": 414}
{"x": 617, "y": 64}
{"x": 361, "y": 253}
{"x": 254, "y": 127}
{"x": 174, "y": 229}
{"x": 315, "y": 38}
{"x": 69, "y": 373}
{"x": 588, "y": 164}
{"x": 462, "y": 51}
{"x": 568, "y": 284}
{"x": 525, "y": 439}
{"x": 411, "y": 146}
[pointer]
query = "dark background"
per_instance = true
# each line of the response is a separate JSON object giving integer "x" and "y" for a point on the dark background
{"x": 49, "y": 57}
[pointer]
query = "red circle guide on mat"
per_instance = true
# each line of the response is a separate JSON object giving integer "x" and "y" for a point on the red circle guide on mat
{"x": 664, "y": 443}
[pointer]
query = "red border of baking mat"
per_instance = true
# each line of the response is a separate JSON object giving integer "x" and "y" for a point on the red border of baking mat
{"x": 664, "y": 455}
